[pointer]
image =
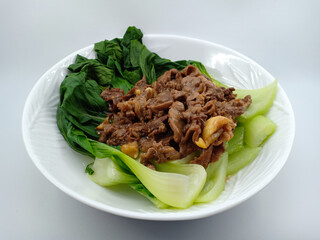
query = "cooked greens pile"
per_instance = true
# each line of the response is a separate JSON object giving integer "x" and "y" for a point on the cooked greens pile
{"x": 120, "y": 63}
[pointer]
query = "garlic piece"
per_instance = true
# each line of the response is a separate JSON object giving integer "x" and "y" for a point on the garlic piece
{"x": 131, "y": 149}
{"x": 212, "y": 130}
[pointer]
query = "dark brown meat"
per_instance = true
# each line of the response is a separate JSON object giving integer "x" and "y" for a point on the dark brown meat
{"x": 176, "y": 121}
{"x": 157, "y": 126}
{"x": 167, "y": 118}
{"x": 113, "y": 96}
{"x": 159, "y": 151}
{"x": 211, "y": 154}
{"x": 205, "y": 157}
{"x": 233, "y": 108}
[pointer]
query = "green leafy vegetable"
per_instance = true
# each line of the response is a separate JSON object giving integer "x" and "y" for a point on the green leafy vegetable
{"x": 119, "y": 82}
{"x": 258, "y": 130}
{"x": 81, "y": 103}
{"x": 107, "y": 173}
{"x": 187, "y": 158}
{"x": 262, "y": 100}
{"x": 109, "y": 49}
{"x": 236, "y": 143}
{"x": 89, "y": 170}
{"x": 140, "y": 188}
{"x": 177, "y": 185}
{"x": 240, "y": 159}
{"x": 77, "y": 140}
{"x": 216, "y": 179}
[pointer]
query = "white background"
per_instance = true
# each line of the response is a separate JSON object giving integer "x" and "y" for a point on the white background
{"x": 282, "y": 36}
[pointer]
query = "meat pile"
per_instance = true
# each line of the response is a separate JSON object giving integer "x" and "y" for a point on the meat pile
{"x": 166, "y": 119}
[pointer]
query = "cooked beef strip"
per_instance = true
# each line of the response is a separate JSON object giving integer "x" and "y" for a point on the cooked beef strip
{"x": 167, "y": 117}
{"x": 211, "y": 154}
{"x": 176, "y": 121}
{"x": 113, "y": 96}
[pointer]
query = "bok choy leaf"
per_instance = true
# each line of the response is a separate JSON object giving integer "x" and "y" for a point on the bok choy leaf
{"x": 183, "y": 183}
{"x": 108, "y": 173}
{"x": 140, "y": 188}
{"x": 216, "y": 178}
{"x": 174, "y": 184}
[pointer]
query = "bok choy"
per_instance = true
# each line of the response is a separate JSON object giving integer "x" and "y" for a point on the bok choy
{"x": 106, "y": 173}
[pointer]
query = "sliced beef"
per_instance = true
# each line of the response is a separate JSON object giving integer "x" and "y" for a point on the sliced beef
{"x": 205, "y": 157}
{"x": 176, "y": 121}
{"x": 167, "y": 118}
{"x": 157, "y": 126}
{"x": 211, "y": 154}
{"x": 233, "y": 108}
{"x": 158, "y": 151}
{"x": 113, "y": 96}
{"x": 161, "y": 102}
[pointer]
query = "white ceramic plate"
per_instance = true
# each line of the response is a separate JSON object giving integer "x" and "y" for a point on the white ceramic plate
{"x": 65, "y": 167}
